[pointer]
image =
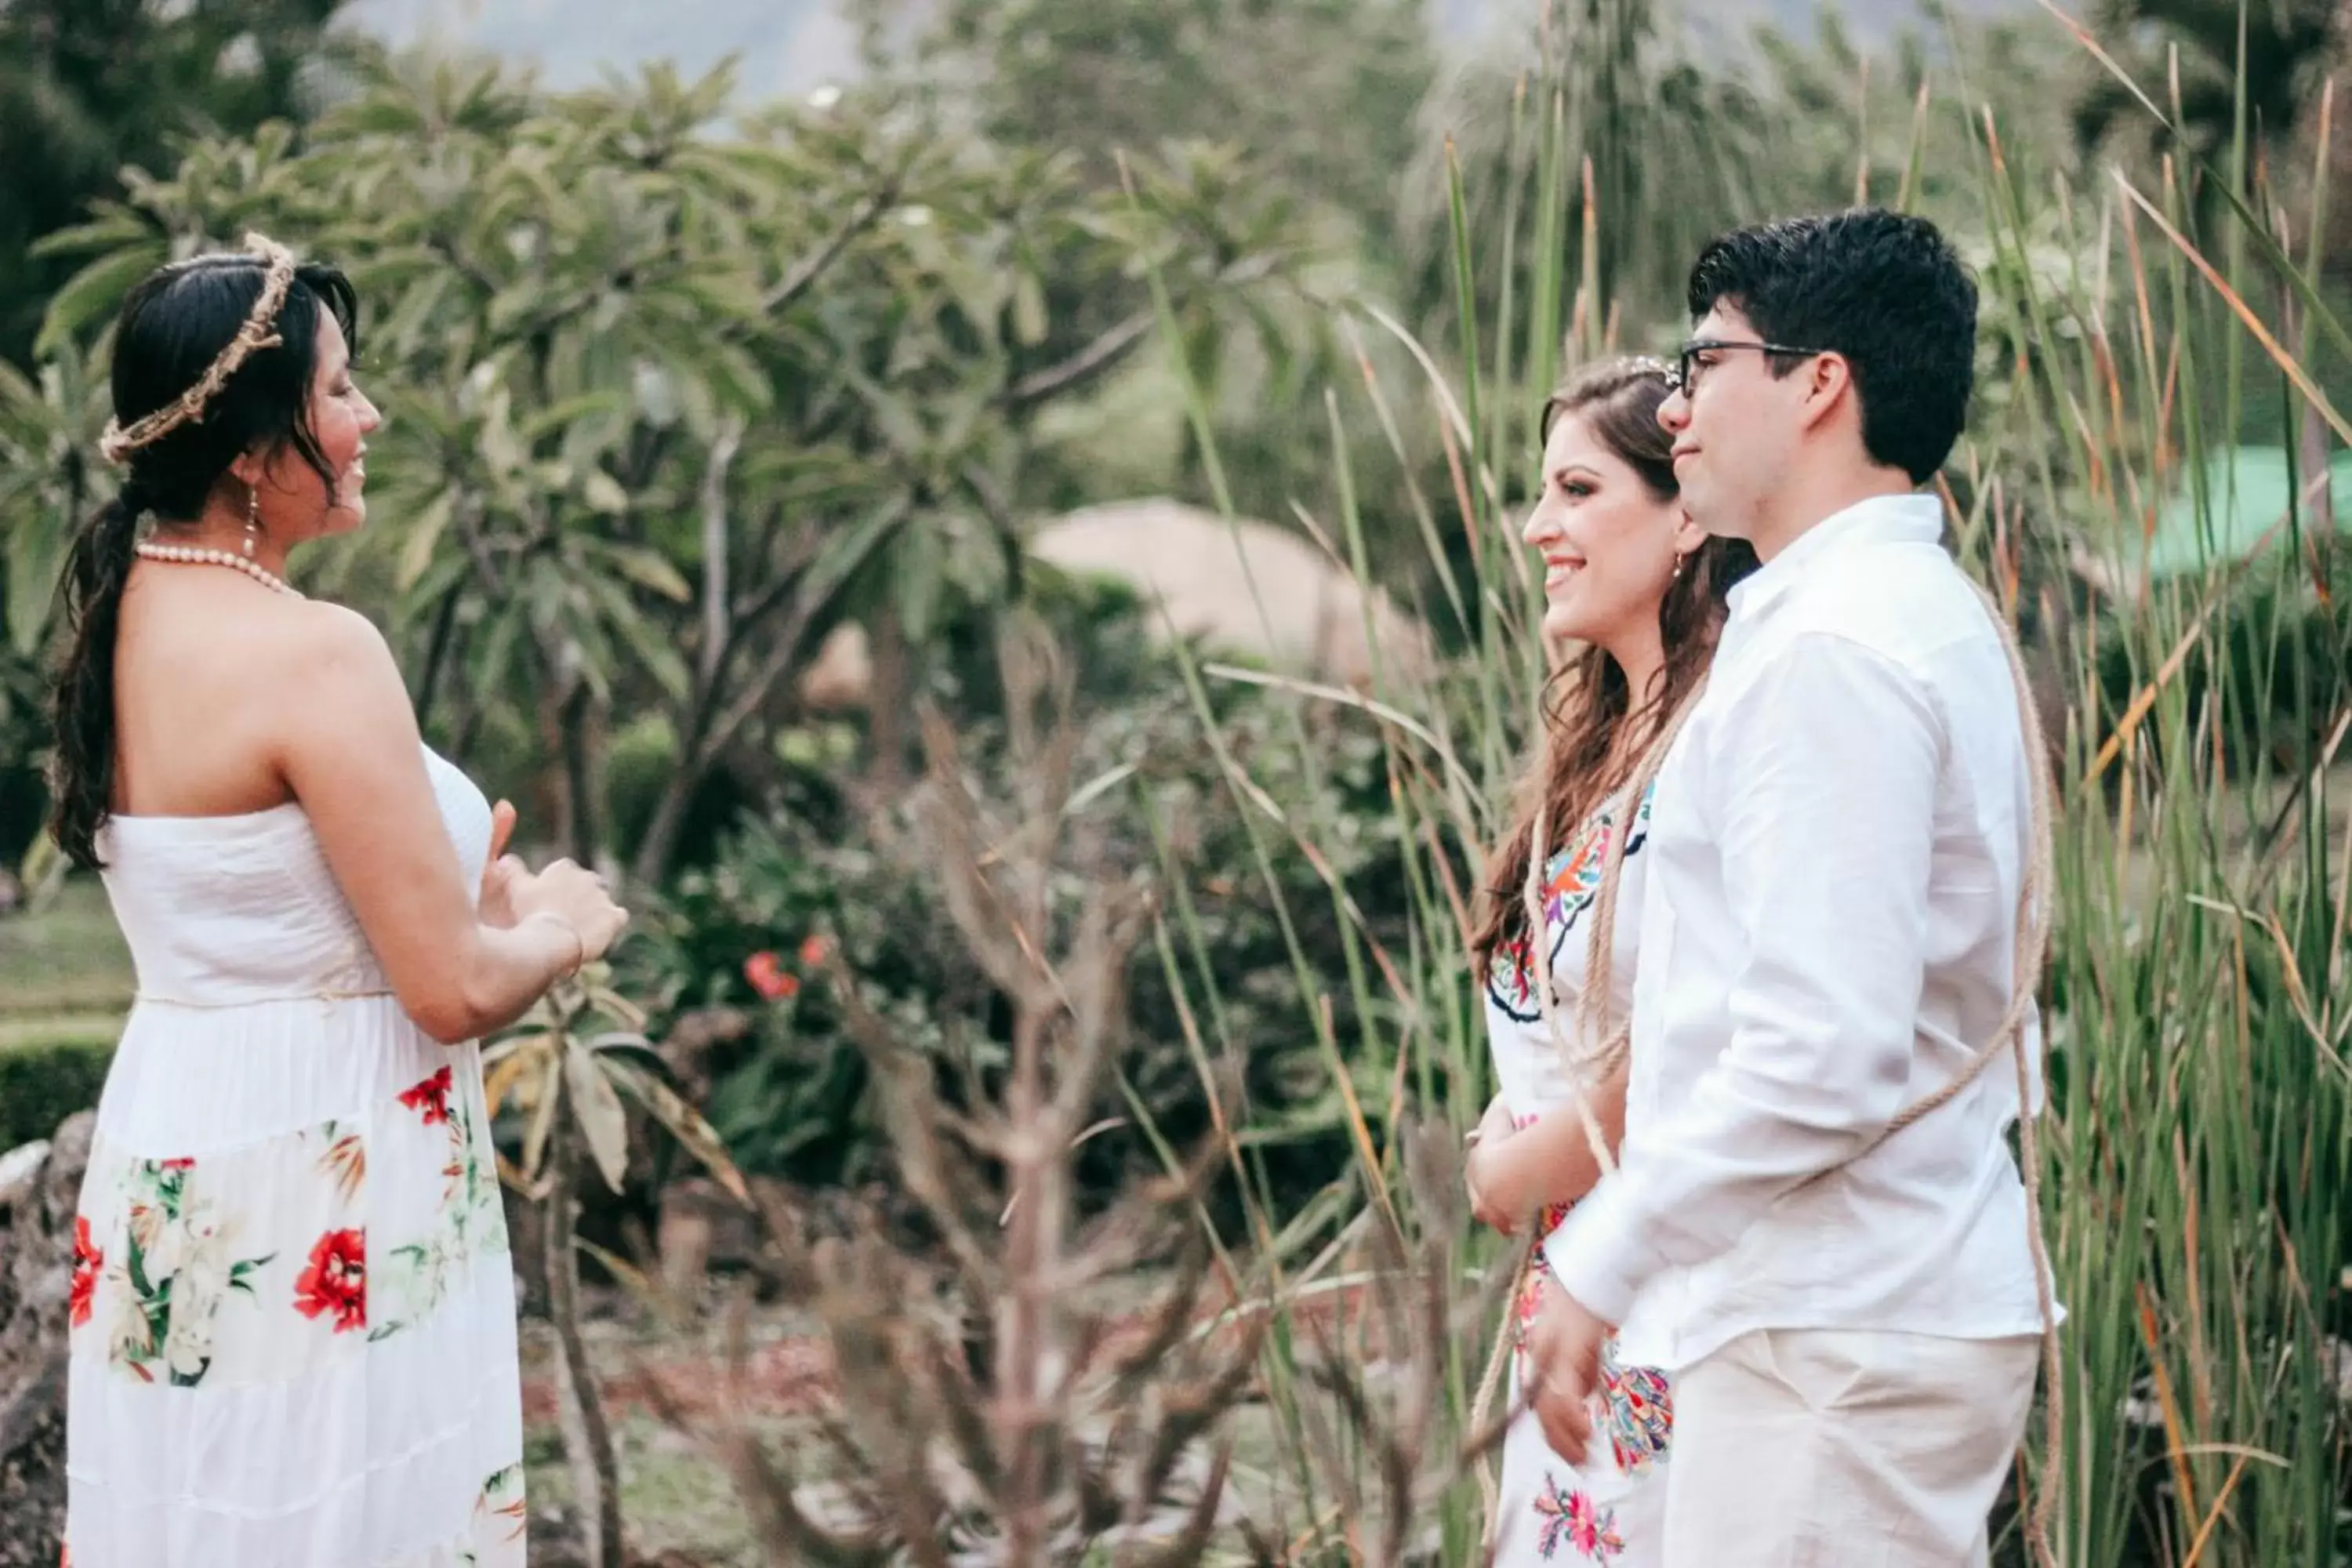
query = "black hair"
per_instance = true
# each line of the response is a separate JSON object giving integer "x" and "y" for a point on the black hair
{"x": 172, "y": 326}
{"x": 1884, "y": 289}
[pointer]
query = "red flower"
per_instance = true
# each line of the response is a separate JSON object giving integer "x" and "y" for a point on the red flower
{"x": 336, "y": 1280}
{"x": 769, "y": 978}
{"x": 815, "y": 949}
{"x": 87, "y": 1261}
{"x": 178, "y": 1165}
{"x": 431, "y": 1098}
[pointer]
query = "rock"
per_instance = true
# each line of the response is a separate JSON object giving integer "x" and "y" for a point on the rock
{"x": 37, "y": 1232}
{"x": 1246, "y": 588}
{"x": 20, "y": 1169}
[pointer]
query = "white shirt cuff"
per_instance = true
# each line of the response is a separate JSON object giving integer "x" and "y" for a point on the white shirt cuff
{"x": 1602, "y": 1260}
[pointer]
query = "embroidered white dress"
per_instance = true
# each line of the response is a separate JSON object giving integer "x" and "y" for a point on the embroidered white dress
{"x": 293, "y": 1314}
{"x": 1612, "y": 1509}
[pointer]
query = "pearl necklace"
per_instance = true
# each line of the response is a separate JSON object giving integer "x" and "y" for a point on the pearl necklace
{"x": 190, "y": 555}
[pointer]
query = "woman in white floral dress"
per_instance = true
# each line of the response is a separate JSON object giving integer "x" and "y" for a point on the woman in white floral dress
{"x": 1630, "y": 578}
{"x": 293, "y": 1333}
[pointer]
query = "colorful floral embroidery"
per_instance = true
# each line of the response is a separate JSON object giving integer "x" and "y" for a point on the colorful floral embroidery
{"x": 1592, "y": 1531}
{"x": 88, "y": 1262}
{"x": 1530, "y": 1302}
{"x": 1571, "y": 882}
{"x": 1638, "y": 1414}
{"x": 336, "y": 1280}
{"x": 177, "y": 1270}
{"x": 1570, "y": 1518}
{"x": 431, "y": 1098}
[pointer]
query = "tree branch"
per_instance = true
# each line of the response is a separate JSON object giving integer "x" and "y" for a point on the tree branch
{"x": 750, "y": 611}
{"x": 1114, "y": 345}
{"x": 812, "y": 266}
{"x": 1091, "y": 362}
{"x": 715, "y": 607}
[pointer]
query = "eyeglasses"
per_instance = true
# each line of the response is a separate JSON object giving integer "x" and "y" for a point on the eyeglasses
{"x": 1686, "y": 369}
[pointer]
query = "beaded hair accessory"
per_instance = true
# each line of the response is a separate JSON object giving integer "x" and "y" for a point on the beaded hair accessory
{"x": 259, "y": 332}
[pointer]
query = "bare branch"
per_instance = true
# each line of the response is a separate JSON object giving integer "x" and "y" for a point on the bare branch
{"x": 1096, "y": 358}
{"x": 1112, "y": 347}
{"x": 715, "y": 610}
{"x": 805, "y": 272}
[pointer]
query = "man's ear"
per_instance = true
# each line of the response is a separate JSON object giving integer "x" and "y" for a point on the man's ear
{"x": 1829, "y": 387}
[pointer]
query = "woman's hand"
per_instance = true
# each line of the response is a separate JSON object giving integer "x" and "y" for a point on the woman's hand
{"x": 571, "y": 893}
{"x": 496, "y": 905}
{"x": 1477, "y": 1167}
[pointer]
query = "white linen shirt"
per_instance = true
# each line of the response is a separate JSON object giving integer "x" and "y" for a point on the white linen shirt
{"x": 1827, "y": 935}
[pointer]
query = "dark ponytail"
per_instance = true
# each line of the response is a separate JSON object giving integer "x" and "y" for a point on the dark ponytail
{"x": 174, "y": 325}
{"x": 98, "y": 568}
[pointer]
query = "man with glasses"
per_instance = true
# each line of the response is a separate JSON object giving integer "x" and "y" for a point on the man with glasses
{"x": 1828, "y": 937}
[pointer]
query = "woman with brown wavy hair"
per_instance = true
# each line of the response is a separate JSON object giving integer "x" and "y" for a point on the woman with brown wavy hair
{"x": 1634, "y": 583}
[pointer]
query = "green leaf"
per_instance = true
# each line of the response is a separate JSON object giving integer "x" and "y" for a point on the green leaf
{"x": 425, "y": 532}
{"x": 660, "y": 657}
{"x": 920, "y": 584}
{"x": 37, "y": 550}
{"x": 120, "y": 227}
{"x": 92, "y": 292}
{"x": 737, "y": 379}
{"x": 604, "y": 493}
{"x": 648, "y": 569}
{"x": 1029, "y": 325}
{"x": 542, "y": 1117}
{"x": 604, "y": 1121}
{"x": 684, "y": 1123}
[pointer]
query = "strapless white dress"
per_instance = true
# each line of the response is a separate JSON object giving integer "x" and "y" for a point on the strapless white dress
{"x": 293, "y": 1313}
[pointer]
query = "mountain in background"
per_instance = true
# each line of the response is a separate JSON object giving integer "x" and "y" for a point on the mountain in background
{"x": 792, "y": 46}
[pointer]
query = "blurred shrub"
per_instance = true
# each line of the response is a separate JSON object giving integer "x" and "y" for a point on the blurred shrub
{"x": 47, "y": 1074}
{"x": 750, "y": 929}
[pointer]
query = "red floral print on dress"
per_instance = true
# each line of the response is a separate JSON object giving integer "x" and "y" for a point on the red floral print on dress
{"x": 336, "y": 1280}
{"x": 89, "y": 1260}
{"x": 430, "y": 1098}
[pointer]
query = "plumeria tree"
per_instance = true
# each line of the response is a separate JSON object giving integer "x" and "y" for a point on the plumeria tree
{"x": 672, "y": 387}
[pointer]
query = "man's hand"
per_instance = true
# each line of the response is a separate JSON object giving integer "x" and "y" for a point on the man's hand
{"x": 1563, "y": 1366}
{"x": 499, "y": 874}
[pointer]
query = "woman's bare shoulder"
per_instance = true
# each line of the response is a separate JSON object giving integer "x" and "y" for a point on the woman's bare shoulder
{"x": 326, "y": 643}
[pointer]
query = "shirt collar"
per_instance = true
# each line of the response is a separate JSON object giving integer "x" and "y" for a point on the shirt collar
{"x": 1882, "y": 520}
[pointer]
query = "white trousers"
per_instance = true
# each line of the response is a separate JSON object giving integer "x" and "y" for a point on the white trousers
{"x": 1835, "y": 1449}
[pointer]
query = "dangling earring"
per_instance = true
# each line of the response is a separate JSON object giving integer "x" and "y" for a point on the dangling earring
{"x": 253, "y": 521}
{"x": 1678, "y": 567}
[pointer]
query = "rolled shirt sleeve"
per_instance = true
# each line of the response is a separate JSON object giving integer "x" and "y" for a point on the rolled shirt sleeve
{"x": 1823, "y": 798}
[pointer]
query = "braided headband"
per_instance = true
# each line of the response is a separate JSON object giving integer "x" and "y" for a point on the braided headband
{"x": 259, "y": 332}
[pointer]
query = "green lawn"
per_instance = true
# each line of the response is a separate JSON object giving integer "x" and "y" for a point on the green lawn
{"x": 65, "y": 985}
{"x": 65, "y": 958}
